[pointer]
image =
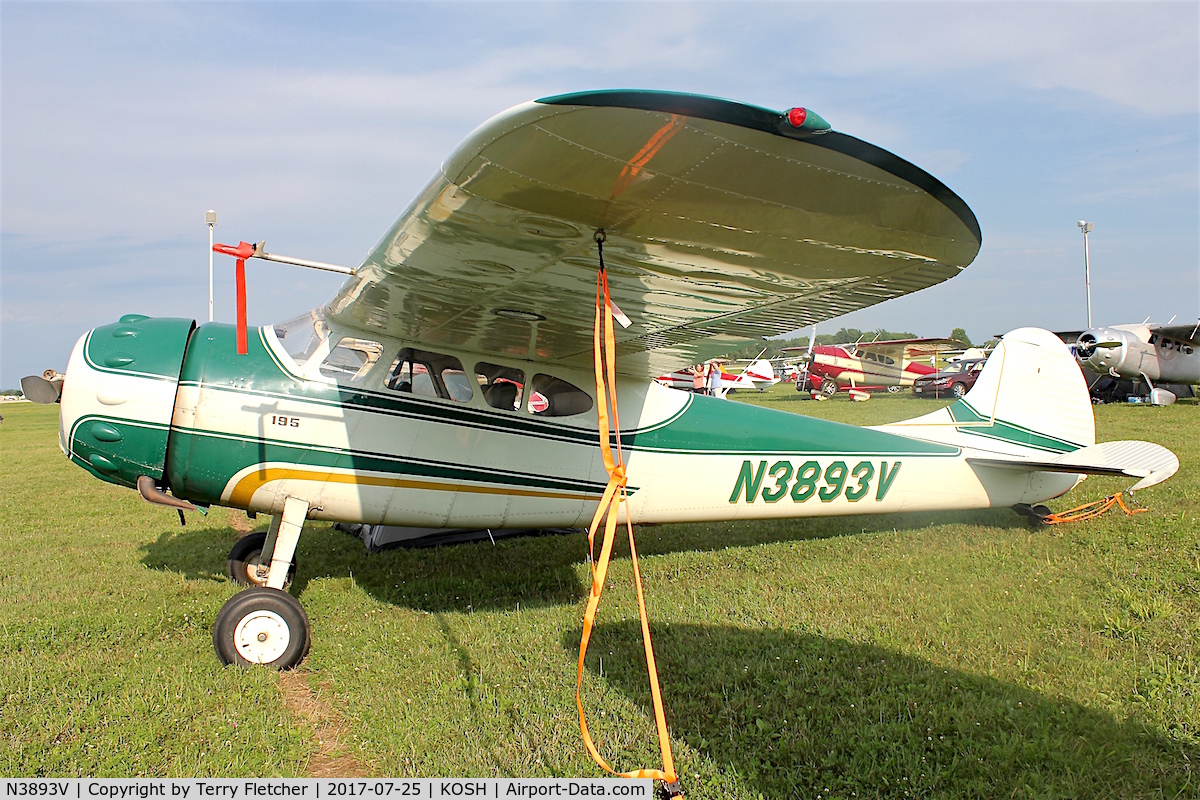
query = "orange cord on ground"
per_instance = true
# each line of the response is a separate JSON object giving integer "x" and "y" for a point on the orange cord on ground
{"x": 613, "y": 499}
{"x": 1091, "y": 510}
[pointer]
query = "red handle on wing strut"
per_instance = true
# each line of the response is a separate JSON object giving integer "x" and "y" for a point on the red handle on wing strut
{"x": 243, "y": 251}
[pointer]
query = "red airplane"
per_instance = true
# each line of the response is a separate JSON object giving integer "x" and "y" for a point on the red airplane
{"x": 891, "y": 365}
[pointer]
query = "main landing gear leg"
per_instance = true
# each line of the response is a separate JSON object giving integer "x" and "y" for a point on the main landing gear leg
{"x": 286, "y": 537}
{"x": 264, "y": 624}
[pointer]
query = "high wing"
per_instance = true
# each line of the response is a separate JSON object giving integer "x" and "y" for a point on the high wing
{"x": 1188, "y": 333}
{"x": 912, "y": 348}
{"x": 724, "y": 222}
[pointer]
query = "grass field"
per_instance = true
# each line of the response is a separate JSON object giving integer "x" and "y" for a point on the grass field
{"x": 933, "y": 655}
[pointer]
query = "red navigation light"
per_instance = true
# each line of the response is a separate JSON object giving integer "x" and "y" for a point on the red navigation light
{"x": 796, "y": 116}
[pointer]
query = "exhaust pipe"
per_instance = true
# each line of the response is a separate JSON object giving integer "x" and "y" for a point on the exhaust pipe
{"x": 152, "y": 494}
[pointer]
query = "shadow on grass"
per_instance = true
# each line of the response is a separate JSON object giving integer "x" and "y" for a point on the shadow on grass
{"x": 533, "y": 571}
{"x": 795, "y": 715}
{"x": 536, "y": 571}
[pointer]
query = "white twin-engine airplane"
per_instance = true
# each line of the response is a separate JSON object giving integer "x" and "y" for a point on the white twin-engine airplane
{"x": 451, "y": 381}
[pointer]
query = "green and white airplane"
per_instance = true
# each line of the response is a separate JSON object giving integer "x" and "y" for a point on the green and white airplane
{"x": 451, "y": 381}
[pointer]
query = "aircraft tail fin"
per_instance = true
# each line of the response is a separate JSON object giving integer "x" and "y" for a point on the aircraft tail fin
{"x": 1030, "y": 410}
{"x": 761, "y": 369}
{"x": 1030, "y": 397}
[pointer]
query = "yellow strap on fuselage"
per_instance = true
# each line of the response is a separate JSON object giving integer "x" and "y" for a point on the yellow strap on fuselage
{"x": 604, "y": 344}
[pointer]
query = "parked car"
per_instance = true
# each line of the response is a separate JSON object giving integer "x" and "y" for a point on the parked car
{"x": 953, "y": 380}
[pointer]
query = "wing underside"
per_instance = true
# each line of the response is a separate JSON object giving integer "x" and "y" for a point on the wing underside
{"x": 723, "y": 223}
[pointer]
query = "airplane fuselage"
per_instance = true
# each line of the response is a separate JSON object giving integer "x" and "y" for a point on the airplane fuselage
{"x": 251, "y": 431}
{"x": 862, "y": 369}
{"x": 1138, "y": 351}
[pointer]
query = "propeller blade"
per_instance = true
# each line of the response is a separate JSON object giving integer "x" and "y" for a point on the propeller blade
{"x": 41, "y": 390}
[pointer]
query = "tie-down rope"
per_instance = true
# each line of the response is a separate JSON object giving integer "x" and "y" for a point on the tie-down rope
{"x": 615, "y": 498}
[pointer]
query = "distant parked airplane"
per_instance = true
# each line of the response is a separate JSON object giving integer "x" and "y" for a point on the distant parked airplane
{"x": 1151, "y": 353}
{"x": 888, "y": 364}
{"x": 758, "y": 375}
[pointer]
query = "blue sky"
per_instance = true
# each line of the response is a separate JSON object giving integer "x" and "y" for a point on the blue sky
{"x": 312, "y": 126}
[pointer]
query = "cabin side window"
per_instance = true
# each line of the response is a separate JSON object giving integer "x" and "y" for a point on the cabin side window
{"x": 501, "y": 386}
{"x": 426, "y": 374}
{"x": 554, "y": 397}
{"x": 868, "y": 356}
{"x": 351, "y": 359}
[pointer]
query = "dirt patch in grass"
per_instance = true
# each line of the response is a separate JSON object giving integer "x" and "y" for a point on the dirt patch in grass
{"x": 240, "y": 522}
{"x": 331, "y": 759}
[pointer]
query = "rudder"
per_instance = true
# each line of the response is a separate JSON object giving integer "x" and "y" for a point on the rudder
{"x": 1030, "y": 395}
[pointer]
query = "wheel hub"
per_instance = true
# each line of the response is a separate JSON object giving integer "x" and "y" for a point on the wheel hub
{"x": 255, "y": 573}
{"x": 261, "y": 637}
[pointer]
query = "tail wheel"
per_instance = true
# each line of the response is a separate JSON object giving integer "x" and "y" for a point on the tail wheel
{"x": 829, "y": 387}
{"x": 262, "y": 626}
{"x": 958, "y": 389}
{"x": 244, "y": 559}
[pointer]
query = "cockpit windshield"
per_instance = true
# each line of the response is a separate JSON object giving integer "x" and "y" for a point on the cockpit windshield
{"x": 300, "y": 337}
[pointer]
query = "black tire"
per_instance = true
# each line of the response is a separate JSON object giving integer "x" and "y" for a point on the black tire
{"x": 260, "y": 626}
{"x": 959, "y": 389}
{"x": 895, "y": 389}
{"x": 245, "y": 556}
{"x": 829, "y": 387}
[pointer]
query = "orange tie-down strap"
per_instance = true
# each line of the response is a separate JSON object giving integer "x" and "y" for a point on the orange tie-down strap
{"x": 1092, "y": 509}
{"x": 614, "y": 498}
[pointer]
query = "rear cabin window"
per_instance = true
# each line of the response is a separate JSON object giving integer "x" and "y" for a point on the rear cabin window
{"x": 351, "y": 359}
{"x": 554, "y": 397}
{"x": 501, "y": 386}
{"x": 427, "y": 374}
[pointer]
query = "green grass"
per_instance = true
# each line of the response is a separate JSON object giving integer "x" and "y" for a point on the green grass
{"x": 931, "y": 655}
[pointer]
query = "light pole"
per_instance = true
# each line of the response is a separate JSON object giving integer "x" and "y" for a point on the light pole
{"x": 1087, "y": 228}
{"x": 210, "y": 217}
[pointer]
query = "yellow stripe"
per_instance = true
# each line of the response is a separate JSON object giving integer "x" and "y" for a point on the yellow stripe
{"x": 244, "y": 491}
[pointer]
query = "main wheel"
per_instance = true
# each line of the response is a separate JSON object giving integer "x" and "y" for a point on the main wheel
{"x": 894, "y": 389}
{"x": 829, "y": 387}
{"x": 262, "y": 626}
{"x": 958, "y": 389}
{"x": 244, "y": 558}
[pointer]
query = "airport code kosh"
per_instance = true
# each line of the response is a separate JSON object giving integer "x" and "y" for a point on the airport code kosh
{"x": 314, "y": 789}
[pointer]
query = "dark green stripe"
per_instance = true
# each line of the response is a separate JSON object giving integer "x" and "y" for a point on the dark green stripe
{"x": 964, "y": 415}
{"x": 213, "y": 458}
{"x": 705, "y": 425}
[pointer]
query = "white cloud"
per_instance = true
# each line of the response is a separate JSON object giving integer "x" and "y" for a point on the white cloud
{"x": 1140, "y": 56}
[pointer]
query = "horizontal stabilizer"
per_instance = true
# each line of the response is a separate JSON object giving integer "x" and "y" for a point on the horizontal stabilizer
{"x": 1150, "y": 462}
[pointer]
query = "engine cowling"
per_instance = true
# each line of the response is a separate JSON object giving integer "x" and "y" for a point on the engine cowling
{"x": 118, "y": 397}
{"x": 1102, "y": 350}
